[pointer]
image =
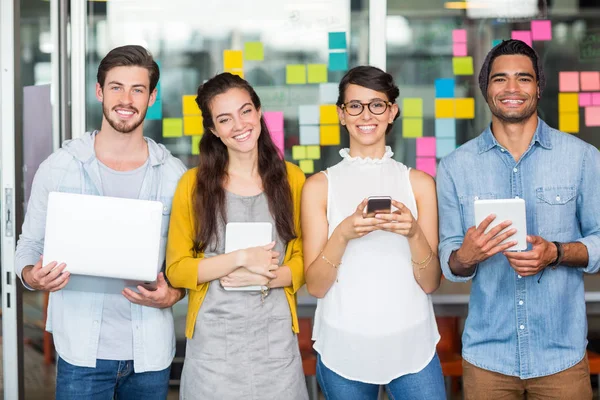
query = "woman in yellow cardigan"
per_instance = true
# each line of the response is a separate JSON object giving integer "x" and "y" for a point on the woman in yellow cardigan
{"x": 241, "y": 344}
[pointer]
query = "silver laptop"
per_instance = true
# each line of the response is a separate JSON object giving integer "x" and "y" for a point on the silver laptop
{"x": 108, "y": 243}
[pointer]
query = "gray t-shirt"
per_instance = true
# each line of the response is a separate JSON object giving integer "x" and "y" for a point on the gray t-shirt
{"x": 116, "y": 332}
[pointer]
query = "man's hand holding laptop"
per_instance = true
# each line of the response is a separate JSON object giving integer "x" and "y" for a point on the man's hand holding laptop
{"x": 163, "y": 297}
{"x": 48, "y": 278}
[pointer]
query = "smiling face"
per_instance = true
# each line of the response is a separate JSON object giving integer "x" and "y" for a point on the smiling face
{"x": 513, "y": 91}
{"x": 236, "y": 120}
{"x": 366, "y": 128}
{"x": 125, "y": 97}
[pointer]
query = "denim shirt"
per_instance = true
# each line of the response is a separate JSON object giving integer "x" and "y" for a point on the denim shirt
{"x": 516, "y": 325}
{"x": 73, "y": 316}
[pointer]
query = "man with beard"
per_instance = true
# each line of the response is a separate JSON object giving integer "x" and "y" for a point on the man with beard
{"x": 525, "y": 335}
{"x": 109, "y": 345}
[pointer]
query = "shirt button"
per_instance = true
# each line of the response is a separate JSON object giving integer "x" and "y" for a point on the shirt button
{"x": 164, "y": 208}
{"x": 517, "y": 197}
{"x": 515, "y": 170}
{"x": 519, "y": 276}
{"x": 520, "y": 302}
{"x": 502, "y": 150}
{"x": 522, "y": 327}
{"x": 476, "y": 198}
{"x": 557, "y": 198}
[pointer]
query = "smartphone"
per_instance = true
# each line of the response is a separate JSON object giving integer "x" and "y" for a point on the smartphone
{"x": 378, "y": 205}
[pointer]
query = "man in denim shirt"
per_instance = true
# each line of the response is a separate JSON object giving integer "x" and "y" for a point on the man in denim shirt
{"x": 109, "y": 345}
{"x": 525, "y": 335}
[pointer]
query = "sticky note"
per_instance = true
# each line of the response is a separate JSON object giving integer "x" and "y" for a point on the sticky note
{"x": 541, "y": 30}
{"x": 328, "y": 93}
{"x": 427, "y": 164}
{"x": 444, "y": 146}
{"x": 309, "y": 134}
{"x": 298, "y": 152}
{"x": 254, "y": 51}
{"x": 459, "y": 49}
{"x": 172, "y": 127}
{"x": 462, "y": 65}
{"x": 592, "y": 116}
{"x": 568, "y": 103}
{"x": 295, "y": 74}
{"x": 278, "y": 141}
{"x": 444, "y": 88}
{"x": 412, "y": 107}
{"x": 196, "y": 144}
{"x": 233, "y": 59}
{"x": 596, "y": 99}
{"x": 307, "y": 166}
{"x": 465, "y": 108}
{"x": 496, "y": 42}
{"x": 568, "y": 122}
{"x": 189, "y": 106}
{"x": 317, "y": 73}
{"x": 412, "y": 127}
{"x": 237, "y": 72}
{"x": 313, "y": 152}
{"x": 192, "y": 125}
{"x": 330, "y": 135}
{"x": 155, "y": 111}
{"x": 459, "y": 35}
{"x": 568, "y": 81}
{"x": 445, "y": 128}
{"x": 590, "y": 80}
{"x": 338, "y": 61}
{"x": 337, "y": 40}
{"x": 328, "y": 114}
{"x": 274, "y": 120}
{"x": 444, "y": 108}
{"x": 585, "y": 99}
{"x": 426, "y": 147}
{"x": 308, "y": 114}
{"x": 524, "y": 36}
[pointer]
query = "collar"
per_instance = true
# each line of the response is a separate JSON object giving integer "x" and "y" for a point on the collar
{"x": 487, "y": 140}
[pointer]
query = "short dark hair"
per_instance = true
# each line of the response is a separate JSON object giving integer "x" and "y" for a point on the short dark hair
{"x": 129, "y": 56}
{"x": 372, "y": 78}
{"x": 507, "y": 48}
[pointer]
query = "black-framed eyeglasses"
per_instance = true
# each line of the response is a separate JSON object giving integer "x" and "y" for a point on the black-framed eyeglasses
{"x": 376, "y": 107}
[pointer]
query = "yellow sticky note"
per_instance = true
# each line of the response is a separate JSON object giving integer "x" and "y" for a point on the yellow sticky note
{"x": 172, "y": 127}
{"x": 465, "y": 108}
{"x": 412, "y": 107}
{"x": 568, "y": 103}
{"x": 307, "y": 166}
{"x": 192, "y": 125}
{"x": 295, "y": 74}
{"x": 254, "y": 51}
{"x": 233, "y": 59}
{"x": 462, "y": 65}
{"x": 237, "y": 72}
{"x": 444, "y": 108}
{"x": 298, "y": 152}
{"x": 313, "y": 152}
{"x": 412, "y": 127}
{"x": 196, "y": 144}
{"x": 189, "y": 106}
{"x": 568, "y": 122}
{"x": 330, "y": 135}
{"x": 317, "y": 73}
{"x": 328, "y": 114}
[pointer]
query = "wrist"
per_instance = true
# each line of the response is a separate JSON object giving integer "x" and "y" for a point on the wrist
{"x": 556, "y": 255}
{"x": 241, "y": 258}
{"x": 25, "y": 273}
{"x": 339, "y": 235}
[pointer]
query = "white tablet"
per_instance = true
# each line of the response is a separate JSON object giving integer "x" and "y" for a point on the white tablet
{"x": 241, "y": 235}
{"x": 505, "y": 209}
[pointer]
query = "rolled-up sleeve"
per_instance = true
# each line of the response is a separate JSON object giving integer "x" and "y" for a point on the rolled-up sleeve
{"x": 588, "y": 208}
{"x": 451, "y": 230}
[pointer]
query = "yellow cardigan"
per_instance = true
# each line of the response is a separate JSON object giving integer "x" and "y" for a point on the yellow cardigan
{"x": 182, "y": 261}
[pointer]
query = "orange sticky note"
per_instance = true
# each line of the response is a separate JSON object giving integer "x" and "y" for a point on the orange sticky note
{"x": 568, "y": 122}
{"x": 328, "y": 114}
{"x": 444, "y": 108}
{"x": 189, "y": 106}
{"x": 330, "y": 135}
{"x": 568, "y": 103}
{"x": 233, "y": 59}
{"x": 192, "y": 125}
{"x": 465, "y": 108}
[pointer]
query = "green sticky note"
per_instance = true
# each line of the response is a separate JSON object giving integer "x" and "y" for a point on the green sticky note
{"x": 412, "y": 127}
{"x": 317, "y": 73}
{"x": 313, "y": 152}
{"x": 295, "y": 74}
{"x": 462, "y": 65}
{"x": 254, "y": 51}
{"x": 172, "y": 127}
{"x": 412, "y": 107}
{"x": 298, "y": 152}
{"x": 307, "y": 166}
{"x": 196, "y": 144}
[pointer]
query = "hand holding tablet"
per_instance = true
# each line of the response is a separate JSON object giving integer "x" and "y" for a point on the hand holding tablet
{"x": 505, "y": 210}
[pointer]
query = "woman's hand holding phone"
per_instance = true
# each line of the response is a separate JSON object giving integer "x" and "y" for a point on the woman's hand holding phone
{"x": 400, "y": 221}
{"x": 357, "y": 225}
{"x": 260, "y": 260}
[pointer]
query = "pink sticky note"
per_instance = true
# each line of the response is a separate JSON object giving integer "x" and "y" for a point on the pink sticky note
{"x": 459, "y": 49}
{"x": 568, "y": 81}
{"x": 459, "y": 35}
{"x": 426, "y": 147}
{"x": 274, "y": 120}
{"x": 541, "y": 30}
{"x": 524, "y": 36}
{"x": 427, "y": 164}
{"x": 277, "y": 137}
{"x": 592, "y": 116}
{"x": 585, "y": 99}
{"x": 590, "y": 81}
{"x": 596, "y": 99}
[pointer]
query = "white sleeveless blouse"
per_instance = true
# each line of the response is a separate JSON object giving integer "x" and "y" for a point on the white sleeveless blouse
{"x": 375, "y": 323}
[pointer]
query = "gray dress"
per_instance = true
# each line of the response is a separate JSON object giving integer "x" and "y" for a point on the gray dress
{"x": 242, "y": 348}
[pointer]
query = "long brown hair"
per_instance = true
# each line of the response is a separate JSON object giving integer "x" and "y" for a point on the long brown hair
{"x": 209, "y": 195}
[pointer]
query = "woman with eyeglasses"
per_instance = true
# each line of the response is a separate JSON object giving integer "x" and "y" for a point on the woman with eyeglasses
{"x": 372, "y": 273}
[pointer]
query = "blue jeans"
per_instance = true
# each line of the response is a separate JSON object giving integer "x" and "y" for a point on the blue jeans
{"x": 427, "y": 384}
{"x": 109, "y": 380}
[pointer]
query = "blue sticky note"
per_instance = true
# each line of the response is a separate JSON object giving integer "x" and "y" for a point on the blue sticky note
{"x": 309, "y": 134}
{"x": 154, "y": 112}
{"x": 444, "y": 146}
{"x": 308, "y": 115}
{"x": 496, "y": 42}
{"x": 328, "y": 93}
{"x": 445, "y": 128}
{"x": 338, "y": 61}
{"x": 337, "y": 40}
{"x": 444, "y": 88}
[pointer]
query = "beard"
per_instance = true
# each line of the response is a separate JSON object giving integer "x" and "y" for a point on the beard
{"x": 124, "y": 126}
{"x": 514, "y": 117}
